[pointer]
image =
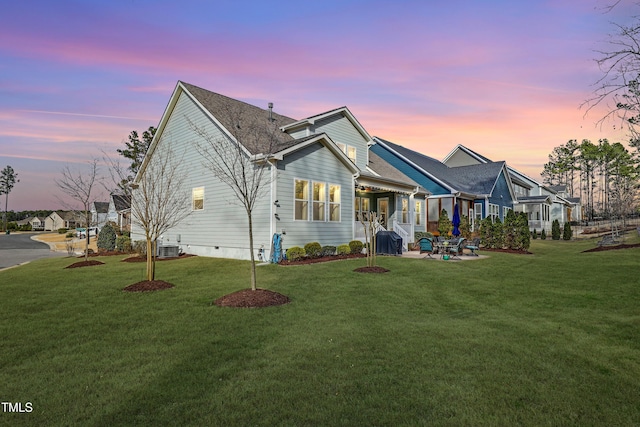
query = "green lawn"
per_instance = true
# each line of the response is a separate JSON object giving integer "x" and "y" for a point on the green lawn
{"x": 547, "y": 339}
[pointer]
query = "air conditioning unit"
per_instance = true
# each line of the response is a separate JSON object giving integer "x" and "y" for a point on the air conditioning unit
{"x": 168, "y": 251}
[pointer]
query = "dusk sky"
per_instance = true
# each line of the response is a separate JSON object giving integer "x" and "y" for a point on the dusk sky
{"x": 505, "y": 78}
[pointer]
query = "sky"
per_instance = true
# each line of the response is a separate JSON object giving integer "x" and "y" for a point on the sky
{"x": 505, "y": 78}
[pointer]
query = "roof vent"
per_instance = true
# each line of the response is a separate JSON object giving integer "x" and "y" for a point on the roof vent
{"x": 271, "y": 111}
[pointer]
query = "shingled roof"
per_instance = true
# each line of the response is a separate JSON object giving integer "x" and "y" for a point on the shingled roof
{"x": 474, "y": 179}
{"x": 237, "y": 115}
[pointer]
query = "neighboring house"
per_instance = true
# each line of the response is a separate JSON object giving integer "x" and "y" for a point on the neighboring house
{"x": 542, "y": 204}
{"x": 119, "y": 211}
{"x": 322, "y": 180}
{"x": 37, "y": 224}
{"x": 63, "y": 219}
{"x": 99, "y": 211}
{"x": 479, "y": 190}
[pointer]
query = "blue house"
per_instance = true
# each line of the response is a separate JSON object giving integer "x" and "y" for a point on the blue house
{"x": 480, "y": 190}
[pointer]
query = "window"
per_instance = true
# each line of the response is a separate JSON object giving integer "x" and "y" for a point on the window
{"x": 351, "y": 153}
{"x": 477, "y": 208}
{"x": 319, "y": 198}
{"x": 334, "y": 202}
{"x": 301, "y": 199}
{"x": 494, "y": 212}
{"x": 505, "y": 210}
{"x": 405, "y": 210}
{"x": 342, "y": 146}
{"x": 197, "y": 198}
{"x": 418, "y": 212}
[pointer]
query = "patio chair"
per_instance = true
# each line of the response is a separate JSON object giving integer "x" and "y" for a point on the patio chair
{"x": 456, "y": 249}
{"x": 474, "y": 246}
{"x": 426, "y": 245}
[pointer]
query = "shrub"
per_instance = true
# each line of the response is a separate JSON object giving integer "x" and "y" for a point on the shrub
{"x": 543, "y": 235}
{"x": 313, "y": 249}
{"x": 534, "y": 234}
{"x": 510, "y": 231}
{"x": 123, "y": 244}
{"x": 107, "y": 238}
{"x": 566, "y": 232}
{"x": 555, "y": 230}
{"x": 328, "y": 251}
{"x": 62, "y": 230}
{"x": 344, "y": 250}
{"x": 70, "y": 235}
{"x": 140, "y": 247}
{"x": 444, "y": 224}
{"x": 523, "y": 240}
{"x": 356, "y": 246}
{"x": 295, "y": 253}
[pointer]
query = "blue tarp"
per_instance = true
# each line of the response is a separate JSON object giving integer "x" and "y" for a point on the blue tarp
{"x": 276, "y": 248}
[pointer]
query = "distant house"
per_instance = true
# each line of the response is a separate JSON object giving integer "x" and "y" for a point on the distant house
{"x": 119, "y": 211}
{"x": 99, "y": 214}
{"x": 542, "y": 204}
{"x": 37, "y": 224}
{"x": 323, "y": 178}
{"x": 63, "y": 219}
{"x": 479, "y": 190}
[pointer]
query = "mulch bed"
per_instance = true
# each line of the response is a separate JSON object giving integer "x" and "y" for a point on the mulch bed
{"x": 612, "y": 247}
{"x": 248, "y": 298}
{"x": 305, "y": 260}
{"x": 84, "y": 264}
{"x": 148, "y": 286}
{"x": 508, "y": 251}
{"x": 374, "y": 269}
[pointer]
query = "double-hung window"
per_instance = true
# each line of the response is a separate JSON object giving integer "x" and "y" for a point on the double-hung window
{"x": 301, "y": 199}
{"x": 418, "y": 212}
{"x": 197, "y": 198}
{"x": 334, "y": 202}
{"x": 405, "y": 210}
{"x": 319, "y": 200}
{"x": 494, "y": 212}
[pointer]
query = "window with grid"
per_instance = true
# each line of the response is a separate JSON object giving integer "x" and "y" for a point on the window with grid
{"x": 319, "y": 201}
{"x": 301, "y": 200}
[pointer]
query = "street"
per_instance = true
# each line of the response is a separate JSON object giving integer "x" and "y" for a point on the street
{"x": 19, "y": 248}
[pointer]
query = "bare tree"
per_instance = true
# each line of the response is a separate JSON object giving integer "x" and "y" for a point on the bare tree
{"x": 159, "y": 199}
{"x": 241, "y": 161}
{"x": 81, "y": 188}
{"x": 371, "y": 226}
{"x": 619, "y": 87}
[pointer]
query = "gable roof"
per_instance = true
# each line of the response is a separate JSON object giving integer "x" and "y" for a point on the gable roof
{"x": 344, "y": 111}
{"x": 121, "y": 202}
{"x": 101, "y": 207}
{"x": 479, "y": 157}
{"x": 478, "y": 180}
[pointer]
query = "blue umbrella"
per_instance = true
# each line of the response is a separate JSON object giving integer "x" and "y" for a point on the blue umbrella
{"x": 455, "y": 221}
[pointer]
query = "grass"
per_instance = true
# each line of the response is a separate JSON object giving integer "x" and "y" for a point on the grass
{"x": 547, "y": 339}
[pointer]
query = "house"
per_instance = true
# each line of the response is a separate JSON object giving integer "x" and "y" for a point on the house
{"x": 119, "y": 211}
{"x": 37, "y": 224}
{"x": 63, "y": 219}
{"x": 542, "y": 204}
{"x": 323, "y": 179}
{"x": 99, "y": 212}
{"x": 479, "y": 190}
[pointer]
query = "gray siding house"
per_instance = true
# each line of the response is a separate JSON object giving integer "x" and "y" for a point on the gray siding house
{"x": 321, "y": 178}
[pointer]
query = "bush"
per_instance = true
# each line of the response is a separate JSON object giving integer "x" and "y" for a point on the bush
{"x": 107, "y": 238}
{"x": 123, "y": 244}
{"x": 62, "y": 230}
{"x": 534, "y": 234}
{"x": 555, "y": 230}
{"x": 295, "y": 253}
{"x": 140, "y": 247}
{"x": 328, "y": 251}
{"x": 567, "y": 233}
{"x": 344, "y": 250}
{"x": 444, "y": 224}
{"x": 543, "y": 235}
{"x": 313, "y": 249}
{"x": 356, "y": 246}
{"x": 70, "y": 235}
{"x": 523, "y": 239}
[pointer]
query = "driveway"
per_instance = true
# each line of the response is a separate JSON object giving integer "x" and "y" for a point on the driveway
{"x": 18, "y": 248}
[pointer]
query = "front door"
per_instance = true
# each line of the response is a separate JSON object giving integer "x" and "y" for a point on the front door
{"x": 383, "y": 211}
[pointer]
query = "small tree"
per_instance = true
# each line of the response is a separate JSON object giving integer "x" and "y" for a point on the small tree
{"x": 106, "y": 238}
{"x": 524, "y": 237}
{"x": 159, "y": 199}
{"x": 511, "y": 231}
{"x": 370, "y": 223}
{"x": 566, "y": 232}
{"x": 81, "y": 188}
{"x": 444, "y": 224}
{"x": 543, "y": 234}
{"x": 8, "y": 178}
{"x": 464, "y": 227}
{"x": 497, "y": 231}
{"x": 555, "y": 230}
